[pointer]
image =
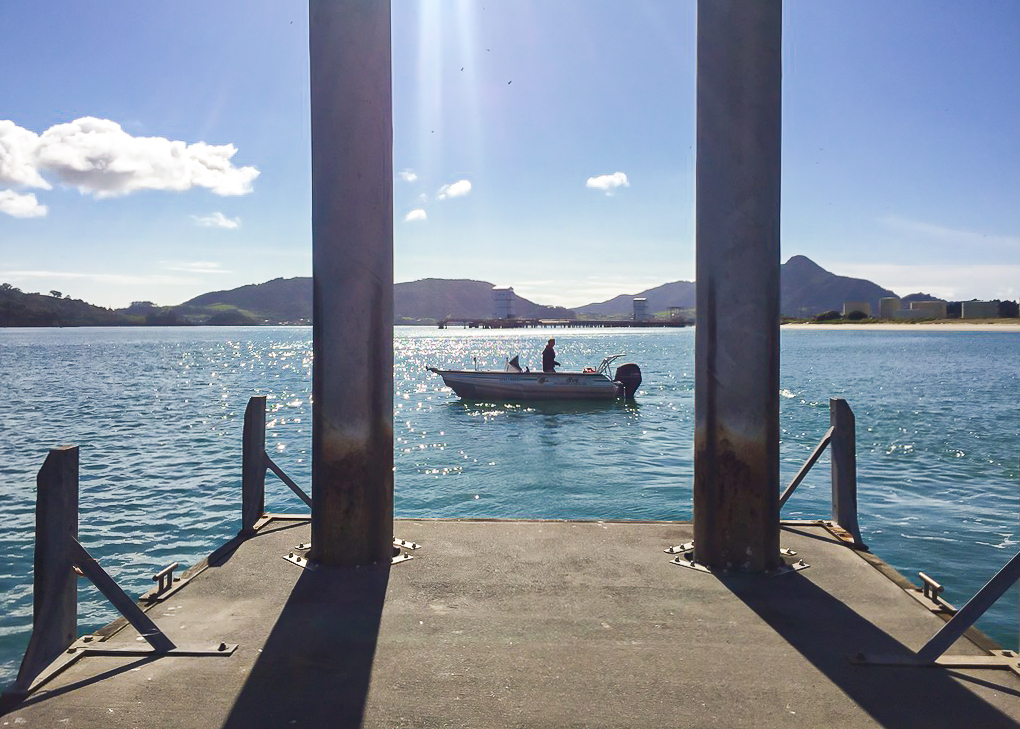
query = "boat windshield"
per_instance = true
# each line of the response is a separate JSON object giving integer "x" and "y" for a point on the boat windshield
{"x": 603, "y": 368}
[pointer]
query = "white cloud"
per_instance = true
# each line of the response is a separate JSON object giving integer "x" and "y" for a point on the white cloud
{"x": 98, "y": 157}
{"x": 608, "y": 183}
{"x": 105, "y": 278}
{"x": 17, "y": 157}
{"x": 457, "y": 189}
{"x": 21, "y": 206}
{"x": 417, "y": 214}
{"x": 216, "y": 220}
{"x": 408, "y": 175}
{"x": 193, "y": 266}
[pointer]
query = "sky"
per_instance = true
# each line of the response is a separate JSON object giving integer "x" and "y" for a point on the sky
{"x": 157, "y": 151}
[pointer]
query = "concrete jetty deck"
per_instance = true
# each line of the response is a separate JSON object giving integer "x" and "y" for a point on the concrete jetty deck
{"x": 529, "y": 624}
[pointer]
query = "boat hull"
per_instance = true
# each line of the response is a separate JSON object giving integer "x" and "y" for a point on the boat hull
{"x": 471, "y": 385}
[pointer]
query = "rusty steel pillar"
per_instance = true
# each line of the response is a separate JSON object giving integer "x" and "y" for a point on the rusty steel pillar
{"x": 736, "y": 441}
{"x": 352, "y": 265}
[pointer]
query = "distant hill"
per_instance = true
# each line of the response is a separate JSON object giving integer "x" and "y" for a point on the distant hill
{"x": 289, "y": 301}
{"x": 18, "y": 309}
{"x": 806, "y": 289}
{"x": 678, "y": 293}
{"x": 907, "y": 300}
{"x": 280, "y": 301}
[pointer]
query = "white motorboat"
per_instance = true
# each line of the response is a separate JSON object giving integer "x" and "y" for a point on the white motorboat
{"x": 513, "y": 383}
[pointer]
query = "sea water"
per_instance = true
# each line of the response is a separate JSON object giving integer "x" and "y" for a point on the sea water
{"x": 157, "y": 414}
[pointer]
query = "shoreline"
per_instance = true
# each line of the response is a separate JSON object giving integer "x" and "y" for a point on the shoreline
{"x": 919, "y": 327}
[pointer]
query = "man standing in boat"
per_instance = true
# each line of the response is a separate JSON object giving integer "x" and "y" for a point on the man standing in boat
{"x": 549, "y": 363}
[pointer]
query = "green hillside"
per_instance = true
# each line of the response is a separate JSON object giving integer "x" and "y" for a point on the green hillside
{"x": 18, "y": 309}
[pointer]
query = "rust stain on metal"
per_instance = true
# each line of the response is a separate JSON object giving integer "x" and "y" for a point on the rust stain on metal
{"x": 737, "y": 509}
{"x": 354, "y": 499}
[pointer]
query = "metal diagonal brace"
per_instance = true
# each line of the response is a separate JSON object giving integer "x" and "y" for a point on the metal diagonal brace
{"x": 119, "y": 599}
{"x": 287, "y": 480}
{"x": 815, "y": 455}
{"x": 159, "y": 643}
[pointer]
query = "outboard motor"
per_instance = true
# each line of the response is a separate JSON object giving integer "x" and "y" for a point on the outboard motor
{"x": 628, "y": 375}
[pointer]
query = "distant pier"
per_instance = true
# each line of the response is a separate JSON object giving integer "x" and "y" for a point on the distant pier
{"x": 516, "y": 323}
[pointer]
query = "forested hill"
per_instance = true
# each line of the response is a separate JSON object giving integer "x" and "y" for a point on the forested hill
{"x": 18, "y": 309}
{"x": 280, "y": 301}
{"x": 424, "y": 301}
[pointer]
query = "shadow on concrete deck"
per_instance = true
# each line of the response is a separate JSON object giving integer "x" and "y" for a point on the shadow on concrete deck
{"x": 316, "y": 665}
{"x": 826, "y": 631}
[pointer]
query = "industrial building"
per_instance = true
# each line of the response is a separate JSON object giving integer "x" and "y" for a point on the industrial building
{"x": 930, "y": 309}
{"x": 888, "y": 306}
{"x": 851, "y": 306}
{"x": 979, "y": 310}
{"x": 503, "y": 301}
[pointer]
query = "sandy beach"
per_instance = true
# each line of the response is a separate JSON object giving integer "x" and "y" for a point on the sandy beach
{"x": 917, "y": 327}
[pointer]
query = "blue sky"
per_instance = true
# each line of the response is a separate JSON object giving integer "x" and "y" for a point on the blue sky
{"x": 560, "y": 160}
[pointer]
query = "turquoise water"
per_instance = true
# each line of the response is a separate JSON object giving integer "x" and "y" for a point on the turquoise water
{"x": 157, "y": 414}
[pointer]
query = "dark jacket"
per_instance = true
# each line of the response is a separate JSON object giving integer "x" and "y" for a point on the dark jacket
{"x": 549, "y": 362}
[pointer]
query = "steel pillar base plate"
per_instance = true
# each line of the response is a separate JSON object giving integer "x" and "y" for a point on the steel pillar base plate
{"x": 689, "y": 547}
{"x": 301, "y": 561}
{"x": 683, "y": 561}
{"x": 307, "y": 564}
{"x": 406, "y": 544}
{"x": 1000, "y": 660}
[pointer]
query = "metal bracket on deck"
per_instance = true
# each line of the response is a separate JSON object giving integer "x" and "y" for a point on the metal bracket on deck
{"x": 1002, "y": 660}
{"x": 92, "y": 645}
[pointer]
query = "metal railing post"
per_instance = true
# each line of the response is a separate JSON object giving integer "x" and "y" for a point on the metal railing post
{"x": 56, "y": 584}
{"x": 843, "y": 447}
{"x": 59, "y": 560}
{"x": 253, "y": 464}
